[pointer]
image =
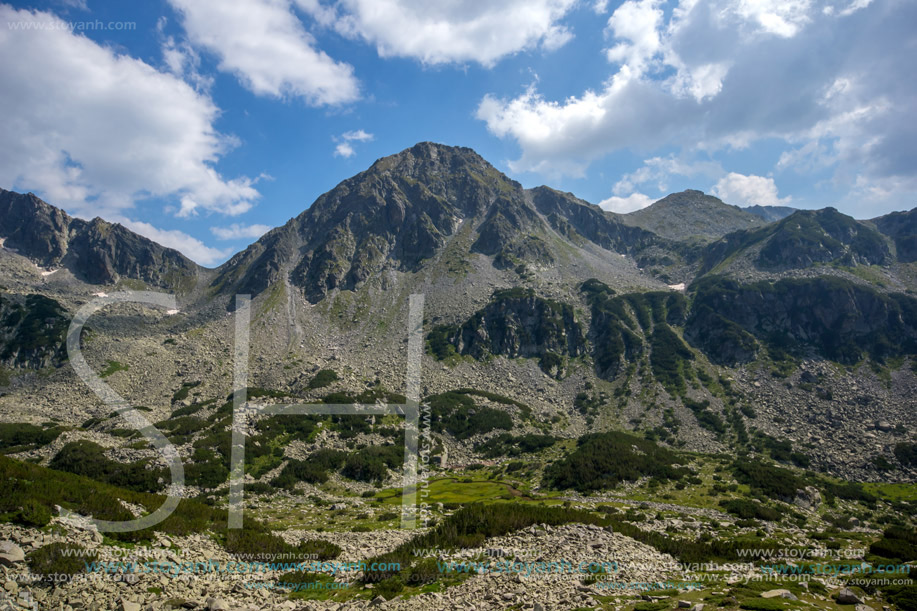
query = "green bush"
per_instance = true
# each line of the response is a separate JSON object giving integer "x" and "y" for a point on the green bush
{"x": 603, "y": 460}
{"x": 182, "y": 393}
{"x": 389, "y": 588}
{"x": 906, "y": 453}
{"x": 763, "y": 604}
{"x": 897, "y": 543}
{"x": 88, "y": 459}
{"x": 313, "y": 470}
{"x": 458, "y": 415}
{"x": 506, "y": 444}
{"x": 772, "y": 482}
{"x": 323, "y": 378}
{"x": 52, "y": 559}
{"x": 750, "y": 510}
{"x": 33, "y": 513}
{"x": 21, "y": 437}
{"x": 372, "y": 464}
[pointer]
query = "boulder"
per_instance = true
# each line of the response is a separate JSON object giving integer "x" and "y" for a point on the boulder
{"x": 847, "y": 597}
{"x": 217, "y": 604}
{"x": 781, "y": 593}
{"x": 807, "y": 498}
{"x": 10, "y": 553}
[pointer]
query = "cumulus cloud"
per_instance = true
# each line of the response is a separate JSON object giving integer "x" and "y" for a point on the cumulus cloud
{"x": 94, "y": 130}
{"x": 623, "y": 205}
{"x": 714, "y": 75}
{"x": 658, "y": 170}
{"x": 264, "y": 44}
{"x": 780, "y": 17}
{"x": 742, "y": 190}
{"x": 448, "y": 31}
{"x": 238, "y": 231}
{"x": 182, "y": 60}
{"x": 189, "y": 246}
{"x": 636, "y": 26}
{"x": 344, "y": 147}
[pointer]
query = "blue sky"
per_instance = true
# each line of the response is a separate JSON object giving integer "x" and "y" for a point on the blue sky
{"x": 200, "y": 123}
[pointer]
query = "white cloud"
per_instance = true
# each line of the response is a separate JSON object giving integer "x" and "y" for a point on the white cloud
{"x": 741, "y": 190}
{"x": 727, "y": 74}
{"x": 780, "y": 17}
{"x": 189, "y": 246}
{"x": 636, "y": 24}
{"x": 238, "y": 231}
{"x": 448, "y": 31}
{"x": 264, "y": 44}
{"x": 623, "y": 205}
{"x": 95, "y": 131}
{"x": 357, "y": 136}
{"x": 182, "y": 60}
{"x": 659, "y": 170}
{"x": 345, "y": 148}
{"x": 77, "y": 4}
{"x": 855, "y": 6}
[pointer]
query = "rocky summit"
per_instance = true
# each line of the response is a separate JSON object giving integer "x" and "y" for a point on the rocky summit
{"x": 695, "y": 405}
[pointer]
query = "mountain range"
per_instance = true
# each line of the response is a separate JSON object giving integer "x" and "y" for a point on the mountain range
{"x": 529, "y": 292}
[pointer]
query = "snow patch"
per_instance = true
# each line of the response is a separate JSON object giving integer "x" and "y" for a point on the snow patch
{"x": 172, "y": 312}
{"x": 677, "y": 287}
{"x": 100, "y": 294}
{"x": 49, "y": 272}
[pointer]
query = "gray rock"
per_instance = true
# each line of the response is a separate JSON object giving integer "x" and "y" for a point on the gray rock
{"x": 781, "y": 593}
{"x": 847, "y": 597}
{"x": 808, "y": 498}
{"x": 10, "y": 553}
{"x": 377, "y": 601}
{"x": 217, "y": 604}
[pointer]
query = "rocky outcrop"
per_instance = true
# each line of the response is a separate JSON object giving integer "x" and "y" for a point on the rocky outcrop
{"x": 32, "y": 331}
{"x": 901, "y": 227}
{"x": 516, "y": 324}
{"x": 828, "y": 316}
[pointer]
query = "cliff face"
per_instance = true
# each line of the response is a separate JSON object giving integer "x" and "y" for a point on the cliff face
{"x": 515, "y": 324}
{"x": 901, "y": 227}
{"x": 825, "y": 316}
{"x": 32, "y": 331}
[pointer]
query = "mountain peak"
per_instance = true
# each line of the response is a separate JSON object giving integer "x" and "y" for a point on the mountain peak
{"x": 692, "y": 214}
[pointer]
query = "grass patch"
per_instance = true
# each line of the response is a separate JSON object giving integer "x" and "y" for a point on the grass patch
{"x": 112, "y": 368}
